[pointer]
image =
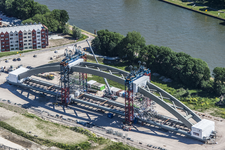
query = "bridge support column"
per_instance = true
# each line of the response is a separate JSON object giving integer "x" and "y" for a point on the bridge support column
{"x": 129, "y": 110}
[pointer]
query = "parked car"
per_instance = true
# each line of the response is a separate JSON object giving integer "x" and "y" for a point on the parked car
{"x": 6, "y": 61}
{"x": 29, "y": 67}
{"x": 18, "y": 59}
{"x": 14, "y": 59}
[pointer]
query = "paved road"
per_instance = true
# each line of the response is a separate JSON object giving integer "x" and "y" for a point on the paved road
{"x": 90, "y": 38}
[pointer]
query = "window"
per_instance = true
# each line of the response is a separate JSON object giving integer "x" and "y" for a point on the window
{"x": 25, "y": 37}
{"x": 26, "y": 47}
{"x": 20, "y": 38}
{"x": 20, "y": 34}
{"x": 11, "y": 34}
{"x": 3, "y": 46}
{"x": 38, "y": 32}
{"x": 43, "y": 39}
{"x": 39, "y": 43}
{"x": 6, "y": 38}
{"x": 11, "y": 41}
{"x": 16, "y": 34}
{"x": 29, "y": 33}
{"x": 11, "y": 45}
{"x": 33, "y": 36}
{"x": 30, "y": 40}
{"x": 25, "y": 44}
{"x": 29, "y": 43}
{"x": 7, "y": 46}
{"x": 43, "y": 42}
{"x": 33, "y": 32}
{"x": 39, "y": 46}
{"x": 11, "y": 38}
{"x": 21, "y": 48}
{"x": 16, "y": 44}
{"x": 6, "y": 35}
{"x": 7, "y": 49}
{"x": 25, "y": 40}
{"x": 30, "y": 47}
{"x": 12, "y": 48}
{"x": 2, "y": 35}
{"x": 43, "y": 36}
{"x": 2, "y": 39}
{"x": 16, "y": 48}
{"x": 21, "y": 44}
{"x": 43, "y": 32}
{"x": 25, "y": 33}
{"x": 21, "y": 41}
{"x": 3, "y": 49}
{"x": 6, "y": 42}
{"x": 34, "y": 39}
{"x": 34, "y": 43}
{"x": 17, "y": 41}
{"x": 38, "y": 36}
{"x": 3, "y": 42}
{"x": 35, "y": 46}
{"x": 29, "y": 36}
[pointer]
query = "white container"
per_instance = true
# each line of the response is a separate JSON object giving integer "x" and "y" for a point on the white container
{"x": 203, "y": 128}
{"x": 89, "y": 83}
{"x": 142, "y": 81}
{"x": 13, "y": 75}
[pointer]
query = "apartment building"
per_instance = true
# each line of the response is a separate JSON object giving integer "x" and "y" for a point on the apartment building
{"x": 23, "y": 37}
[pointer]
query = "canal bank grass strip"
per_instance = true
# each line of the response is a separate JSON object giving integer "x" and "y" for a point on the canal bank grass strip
{"x": 3, "y": 54}
{"x": 199, "y": 9}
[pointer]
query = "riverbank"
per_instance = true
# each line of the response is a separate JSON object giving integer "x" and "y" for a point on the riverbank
{"x": 199, "y": 9}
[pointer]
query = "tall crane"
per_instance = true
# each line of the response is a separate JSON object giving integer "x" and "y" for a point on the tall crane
{"x": 106, "y": 82}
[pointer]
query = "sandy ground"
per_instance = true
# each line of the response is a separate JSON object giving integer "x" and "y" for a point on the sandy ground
{"x": 145, "y": 134}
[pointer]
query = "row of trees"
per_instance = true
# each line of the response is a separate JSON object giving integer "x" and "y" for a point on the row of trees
{"x": 192, "y": 72}
{"x": 31, "y": 12}
{"x": 213, "y": 3}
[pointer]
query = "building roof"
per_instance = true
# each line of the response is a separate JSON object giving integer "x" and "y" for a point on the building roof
{"x": 21, "y": 28}
{"x": 19, "y": 71}
{"x": 204, "y": 123}
{"x": 91, "y": 82}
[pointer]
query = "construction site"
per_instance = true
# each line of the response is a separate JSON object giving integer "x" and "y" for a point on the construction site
{"x": 139, "y": 112}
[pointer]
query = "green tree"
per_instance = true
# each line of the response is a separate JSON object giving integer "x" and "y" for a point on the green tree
{"x": 38, "y": 18}
{"x": 107, "y": 42}
{"x": 40, "y": 9}
{"x": 50, "y": 22}
{"x": 76, "y": 32}
{"x": 66, "y": 29}
{"x": 28, "y": 21}
{"x": 219, "y": 80}
{"x": 131, "y": 45}
{"x": 62, "y": 17}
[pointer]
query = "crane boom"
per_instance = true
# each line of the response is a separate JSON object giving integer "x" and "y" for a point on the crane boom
{"x": 106, "y": 82}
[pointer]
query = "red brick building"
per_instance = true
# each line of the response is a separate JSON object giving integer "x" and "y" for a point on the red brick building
{"x": 23, "y": 37}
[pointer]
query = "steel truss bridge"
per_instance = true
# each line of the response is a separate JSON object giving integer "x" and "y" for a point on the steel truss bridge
{"x": 118, "y": 75}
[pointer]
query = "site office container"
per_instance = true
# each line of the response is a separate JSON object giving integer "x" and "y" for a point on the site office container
{"x": 90, "y": 83}
{"x": 115, "y": 90}
{"x": 118, "y": 93}
{"x": 98, "y": 86}
{"x": 203, "y": 128}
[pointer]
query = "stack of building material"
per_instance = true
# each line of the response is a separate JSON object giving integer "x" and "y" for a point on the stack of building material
{"x": 89, "y": 83}
{"x": 98, "y": 86}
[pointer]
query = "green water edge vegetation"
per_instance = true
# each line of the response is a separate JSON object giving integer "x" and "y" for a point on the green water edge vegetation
{"x": 103, "y": 143}
{"x": 209, "y": 7}
{"x": 192, "y": 83}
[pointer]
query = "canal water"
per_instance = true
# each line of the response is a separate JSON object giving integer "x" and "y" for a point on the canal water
{"x": 160, "y": 23}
